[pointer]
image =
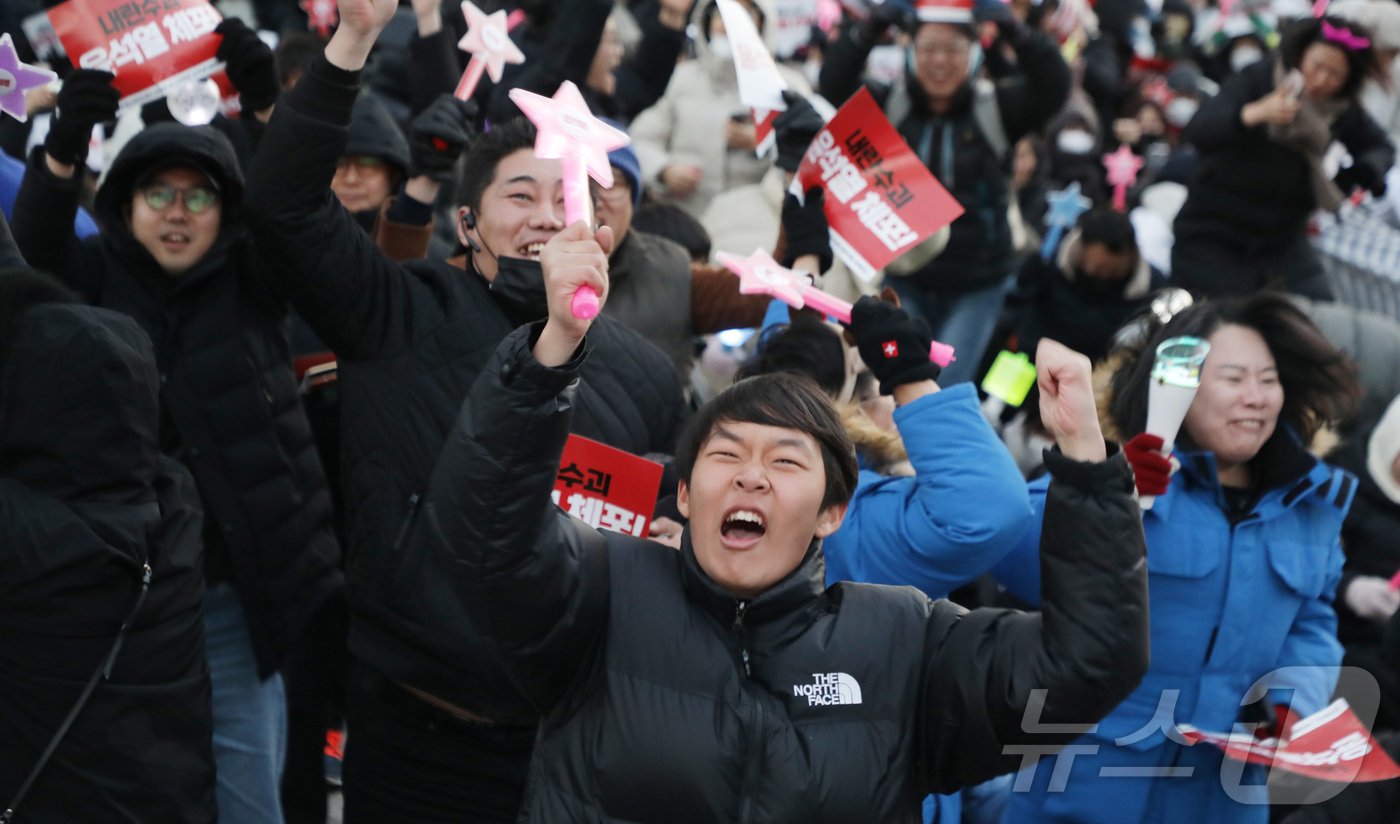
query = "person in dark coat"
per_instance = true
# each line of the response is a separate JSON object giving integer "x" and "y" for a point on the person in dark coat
{"x": 1095, "y": 283}
{"x": 726, "y": 680}
{"x": 100, "y": 566}
{"x": 1261, "y": 174}
{"x": 963, "y": 129}
{"x": 438, "y": 727}
{"x": 173, "y": 254}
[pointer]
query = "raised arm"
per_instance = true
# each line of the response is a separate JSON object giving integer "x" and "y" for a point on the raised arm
{"x": 356, "y": 299}
{"x": 643, "y": 77}
{"x": 1039, "y": 89}
{"x": 995, "y": 678}
{"x": 534, "y": 579}
{"x": 48, "y": 196}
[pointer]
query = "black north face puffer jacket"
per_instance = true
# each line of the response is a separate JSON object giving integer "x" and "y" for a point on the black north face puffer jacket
{"x": 666, "y": 699}
{"x": 229, "y": 401}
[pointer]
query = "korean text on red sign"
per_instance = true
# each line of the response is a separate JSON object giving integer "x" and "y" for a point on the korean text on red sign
{"x": 607, "y": 488}
{"x": 151, "y": 45}
{"x": 880, "y": 199}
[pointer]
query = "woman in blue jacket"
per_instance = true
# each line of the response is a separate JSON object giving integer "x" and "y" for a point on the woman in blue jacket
{"x": 1243, "y": 560}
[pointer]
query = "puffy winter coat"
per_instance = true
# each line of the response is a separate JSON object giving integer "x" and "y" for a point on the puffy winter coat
{"x": 230, "y": 408}
{"x": 1249, "y": 190}
{"x": 410, "y": 341}
{"x": 87, "y": 501}
{"x": 956, "y": 148}
{"x": 1230, "y": 603}
{"x": 920, "y": 531}
{"x": 668, "y": 699}
{"x": 686, "y": 126}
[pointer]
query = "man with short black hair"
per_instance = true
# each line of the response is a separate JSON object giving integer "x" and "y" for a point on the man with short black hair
{"x": 438, "y": 728}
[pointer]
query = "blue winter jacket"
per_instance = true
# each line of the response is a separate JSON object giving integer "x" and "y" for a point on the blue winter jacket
{"x": 963, "y": 510}
{"x": 1229, "y": 604}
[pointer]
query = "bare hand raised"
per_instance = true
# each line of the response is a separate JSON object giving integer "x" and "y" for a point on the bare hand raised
{"x": 1067, "y": 409}
{"x": 573, "y": 258}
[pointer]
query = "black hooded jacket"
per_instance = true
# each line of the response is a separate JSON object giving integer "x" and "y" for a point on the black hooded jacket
{"x": 666, "y": 698}
{"x": 410, "y": 340}
{"x": 86, "y": 499}
{"x": 229, "y": 402}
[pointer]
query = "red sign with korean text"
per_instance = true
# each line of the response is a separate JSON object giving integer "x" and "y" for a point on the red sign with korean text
{"x": 1329, "y": 745}
{"x": 607, "y": 488}
{"x": 151, "y": 45}
{"x": 880, "y": 199}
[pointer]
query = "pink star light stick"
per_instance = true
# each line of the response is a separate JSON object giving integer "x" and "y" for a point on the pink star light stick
{"x": 567, "y": 132}
{"x": 16, "y": 78}
{"x": 1123, "y": 167}
{"x": 488, "y": 41}
{"x": 321, "y": 15}
{"x": 759, "y": 274}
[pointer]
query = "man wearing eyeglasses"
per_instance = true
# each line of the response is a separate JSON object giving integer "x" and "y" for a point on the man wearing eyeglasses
{"x": 173, "y": 254}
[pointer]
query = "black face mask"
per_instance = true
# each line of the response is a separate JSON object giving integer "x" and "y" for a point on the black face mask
{"x": 1097, "y": 288}
{"x": 520, "y": 283}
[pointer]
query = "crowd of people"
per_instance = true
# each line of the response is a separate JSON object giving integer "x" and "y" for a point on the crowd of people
{"x": 284, "y": 392}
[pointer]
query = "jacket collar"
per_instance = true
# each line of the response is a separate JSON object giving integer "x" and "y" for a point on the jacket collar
{"x": 1286, "y": 470}
{"x": 778, "y": 615}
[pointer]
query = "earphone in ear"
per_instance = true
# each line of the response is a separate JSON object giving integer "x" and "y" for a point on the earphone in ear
{"x": 468, "y": 223}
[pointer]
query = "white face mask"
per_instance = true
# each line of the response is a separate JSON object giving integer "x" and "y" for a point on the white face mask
{"x": 1075, "y": 142}
{"x": 1244, "y": 56}
{"x": 719, "y": 47}
{"x": 1180, "y": 111}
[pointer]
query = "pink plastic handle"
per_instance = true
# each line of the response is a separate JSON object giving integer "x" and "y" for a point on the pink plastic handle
{"x": 1395, "y": 581}
{"x": 578, "y": 205}
{"x": 470, "y": 78}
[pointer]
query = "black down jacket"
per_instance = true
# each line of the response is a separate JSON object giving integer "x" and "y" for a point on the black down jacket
{"x": 229, "y": 402}
{"x": 86, "y": 500}
{"x": 667, "y": 699}
{"x": 410, "y": 341}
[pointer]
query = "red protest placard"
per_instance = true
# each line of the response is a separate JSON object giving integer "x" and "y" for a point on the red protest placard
{"x": 1329, "y": 745}
{"x": 151, "y": 45}
{"x": 880, "y": 200}
{"x": 607, "y": 488}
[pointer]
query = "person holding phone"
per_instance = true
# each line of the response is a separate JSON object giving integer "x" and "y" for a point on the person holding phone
{"x": 1261, "y": 172}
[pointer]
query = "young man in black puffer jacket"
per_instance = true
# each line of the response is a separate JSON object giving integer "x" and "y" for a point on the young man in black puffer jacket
{"x": 726, "y": 682}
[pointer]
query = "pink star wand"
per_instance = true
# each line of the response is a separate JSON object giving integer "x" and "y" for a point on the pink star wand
{"x": 1123, "y": 167}
{"x": 567, "y": 132}
{"x": 759, "y": 274}
{"x": 488, "y": 41}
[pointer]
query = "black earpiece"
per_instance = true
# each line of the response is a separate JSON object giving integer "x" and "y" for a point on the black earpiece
{"x": 468, "y": 223}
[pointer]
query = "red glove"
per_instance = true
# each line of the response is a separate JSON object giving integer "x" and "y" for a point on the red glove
{"x": 1152, "y": 470}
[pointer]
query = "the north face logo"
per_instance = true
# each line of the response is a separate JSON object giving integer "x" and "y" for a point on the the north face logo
{"x": 829, "y": 689}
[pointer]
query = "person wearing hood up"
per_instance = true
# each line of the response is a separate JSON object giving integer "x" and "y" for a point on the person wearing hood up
{"x": 698, "y": 140}
{"x": 100, "y": 574}
{"x": 173, "y": 253}
{"x": 963, "y": 128}
{"x": 439, "y": 728}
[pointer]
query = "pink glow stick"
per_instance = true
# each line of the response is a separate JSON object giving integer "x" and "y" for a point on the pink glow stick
{"x": 1395, "y": 581}
{"x": 759, "y": 274}
{"x": 567, "y": 132}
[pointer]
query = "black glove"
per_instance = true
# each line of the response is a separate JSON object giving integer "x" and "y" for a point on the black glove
{"x": 86, "y": 99}
{"x": 893, "y": 345}
{"x": 806, "y": 229}
{"x": 439, "y": 135}
{"x": 1360, "y": 176}
{"x": 1000, "y": 14}
{"x": 794, "y": 129}
{"x": 882, "y": 17}
{"x": 250, "y": 65}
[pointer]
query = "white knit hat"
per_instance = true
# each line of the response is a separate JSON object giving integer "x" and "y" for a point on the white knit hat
{"x": 1382, "y": 449}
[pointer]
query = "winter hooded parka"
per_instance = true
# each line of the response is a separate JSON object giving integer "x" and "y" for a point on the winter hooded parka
{"x": 229, "y": 402}
{"x": 665, "y": 698}
{"x": 87, "y": 500}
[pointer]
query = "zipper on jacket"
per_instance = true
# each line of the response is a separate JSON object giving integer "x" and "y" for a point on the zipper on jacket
{"x": 738, "y": 627}
{"x": 408, "y": 520}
